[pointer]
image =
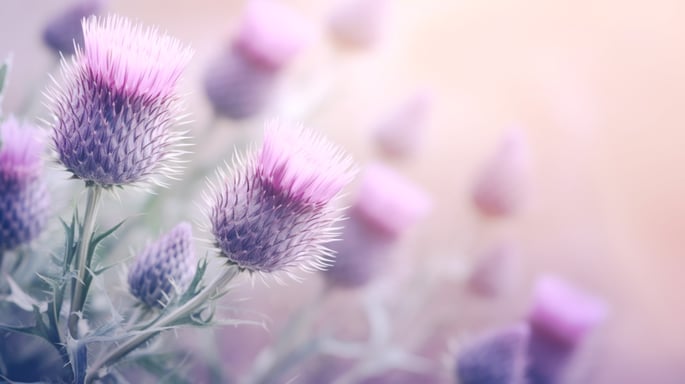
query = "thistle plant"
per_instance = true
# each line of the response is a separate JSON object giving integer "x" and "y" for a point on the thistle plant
{"x": 63, "y": 33}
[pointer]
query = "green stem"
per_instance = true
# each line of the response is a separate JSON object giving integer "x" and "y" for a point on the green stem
{"x": 215, "y": 286}
{"x": 79, "y": 291}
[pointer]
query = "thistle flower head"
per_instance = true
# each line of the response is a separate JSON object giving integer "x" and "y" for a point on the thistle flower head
{"x": 63, "y": 33}
{"x": 24, "y": 200}
{"x": 399, "y": 134}
{"x": 358, "y": 22}
{"x": 495, "y": 358}
{"x": 114, "y": 112}
{"x": 501, "y": 186}
{"x": 164, "y": 265}
{"x": 275, "y": 212}
{"x": 21, "y": 149}
{"x": 270, "y": 33}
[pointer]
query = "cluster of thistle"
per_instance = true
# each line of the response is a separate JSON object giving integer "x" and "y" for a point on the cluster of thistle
{"x": 115, "y": 113}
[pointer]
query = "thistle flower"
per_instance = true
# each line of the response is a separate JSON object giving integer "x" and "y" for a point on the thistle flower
{"x": 24, "y": 200}
{"x": 495, "y": 358}
{"x": 399, "y": 134}
{"x": 63, "y": 33}
{"x": 358, "y": 22}
{"x": 114, "y": 112}
{"x": 494, "y": 271}
{"x": 240, "y": 81}
{"x": 276, "y": 211}
{"x": 501, "y": 186}
{"x": 387, "y": 206}
{"x": 560, "y": 318}
{"x": 167, "y": 263}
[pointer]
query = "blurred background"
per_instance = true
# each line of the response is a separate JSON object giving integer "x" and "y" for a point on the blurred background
{"x": 596, "y": 88}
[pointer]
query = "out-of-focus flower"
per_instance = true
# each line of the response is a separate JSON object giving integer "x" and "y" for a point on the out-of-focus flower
{"x": 387, "y": 206}
{"x": 501, "y": 186}
{"x": 114, "y": 112}
{"x": 240, "y": 81}
{"x": 399, "y": 134}
{"x": 165, "y": 265}
{"x": 560, "y": 318}
{"x": 63, "y": 32}
{"x": 276, "y": 210}
{"x": 358, "y": 22}
{"x": 495, "y": 358}
{"x": 24, "y": 200}
{"x": 494, "y": 270}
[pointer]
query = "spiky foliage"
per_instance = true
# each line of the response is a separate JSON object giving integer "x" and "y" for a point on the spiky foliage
{"x": 115, "y": 108}
{"x": 276, "y": 209}
{"x": 163, "y": 267}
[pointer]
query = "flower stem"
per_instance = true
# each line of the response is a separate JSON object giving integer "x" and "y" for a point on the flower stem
{"x": 79, "y": 290}
{"x": 215, "y": 286}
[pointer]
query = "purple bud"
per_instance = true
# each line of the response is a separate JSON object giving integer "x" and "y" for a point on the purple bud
{"x": 114, "y": 112}
{"x": 64, "y": 31}
{"x": 237, "y": 87}
{"x": 399, "y": 134}
{"x": 24, "y": 200}
{"x": 275, "y": 212}
{"x": 358, "y": 22}
{"x": 387, "y": 206}
{"x": 560, "y": 318}
{"x": 495, "y": 358}
{"x": 168, "y": 262}
{"x": 500, "y": 188}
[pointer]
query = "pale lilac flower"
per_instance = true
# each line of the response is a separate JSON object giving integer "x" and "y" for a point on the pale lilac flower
{"x": 114, "y": 111}
{"x": 494, "y": 271}
{"x": 241, "y": 80}
{"x": 386, "y": 207}
{"x": 164, "y": 267}
{"x": 400, "y": 133}
{"x": 24, "y": 199}
{"x": 276, "y": 210}
{"x": 561, "y": 317}
{"x": 495, "y": 358}
{"x": 501, "y": 187}
{"x": 63, "y": 32}
{"x": 358, "y": 22}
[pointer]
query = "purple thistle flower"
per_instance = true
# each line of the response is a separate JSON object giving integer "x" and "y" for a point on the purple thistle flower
{"x": 399, "y": 134}
{"x": 495, "y": 358}
{"x": 63, "y": 33}
{"x": 24, "y": 200}
{"x": 276, "y": 210}
{"x": 241, "y": 80}
{"x": 387, "y": 206}
{"x": 113, "y": 114}
{"x": 494, "y": 271}
{"x": 358, "y": 22}
{"x": 501, "y": 186}
{"x": 167, "y": 263}
{"x": 560, "y": 319}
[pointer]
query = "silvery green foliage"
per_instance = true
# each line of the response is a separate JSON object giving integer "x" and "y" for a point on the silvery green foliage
{"x": 165, "y": 266}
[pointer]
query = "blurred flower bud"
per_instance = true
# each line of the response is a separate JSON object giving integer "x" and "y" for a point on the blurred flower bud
{"x": 494, "y": 270}
{"x": 560, "y": 318}
{"x": 114, "y": 112}
{"x": 400, "y": 133}
{"x": 168, "y": 262}
{"x": 501, "y": 186}
{"x": 358, "y": 22}
{"x": 24, "y": 199}
{"x": 64, "y": 32}
{"x": 387, "y": 206}
{"x": 495, "y": 358}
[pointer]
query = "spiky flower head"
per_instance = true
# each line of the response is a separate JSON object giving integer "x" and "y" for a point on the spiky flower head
{"x": 24, "y": 200}
{"x": 114, "y": 111}
{"x": 164, "y": 266}
{"x": 63, "y": 32}
{"x": 498, "y": 357}
{"x": 276, "y": 210}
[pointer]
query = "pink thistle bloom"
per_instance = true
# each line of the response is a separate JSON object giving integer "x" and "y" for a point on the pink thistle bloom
{"x": 114, "y": 112}
{"x": 399, "y": 134}
{"x": 63, "y": 33}
{"x": 358, "y": 22}
{"x": 502, "y": 184}
{"x": 494, "y": 271}
{"x": 21, "y": 150}
{"x": 276, "y": 211}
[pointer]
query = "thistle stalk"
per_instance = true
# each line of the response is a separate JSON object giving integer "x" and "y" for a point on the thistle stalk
{"x": 79, "y": 291}
{"x": 189, "y": 307}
